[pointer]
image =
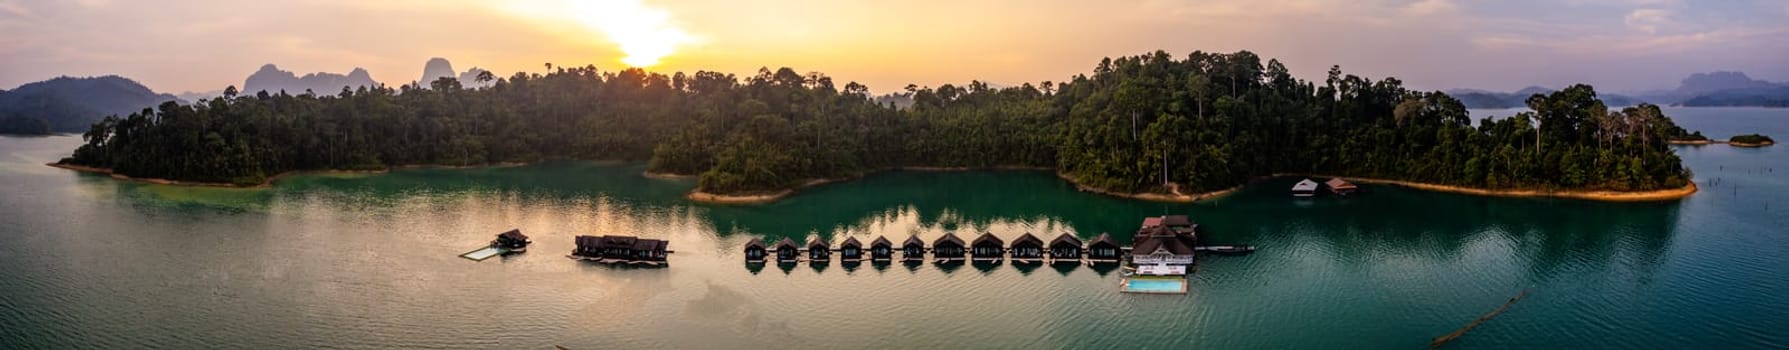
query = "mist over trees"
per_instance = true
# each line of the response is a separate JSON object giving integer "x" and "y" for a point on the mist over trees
{"x": 1146, "y": 123}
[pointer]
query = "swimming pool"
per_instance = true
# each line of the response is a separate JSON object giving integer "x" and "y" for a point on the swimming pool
{"x": 1155, "y": 286}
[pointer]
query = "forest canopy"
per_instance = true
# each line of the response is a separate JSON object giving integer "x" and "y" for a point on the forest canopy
{"x": 1146, "y": 123}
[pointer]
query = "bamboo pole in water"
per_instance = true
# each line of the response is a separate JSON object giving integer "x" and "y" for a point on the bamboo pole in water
{"x": 1442, "y": 340}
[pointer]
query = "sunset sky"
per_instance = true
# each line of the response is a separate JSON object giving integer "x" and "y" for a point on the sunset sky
{"x": 204, "y": 45}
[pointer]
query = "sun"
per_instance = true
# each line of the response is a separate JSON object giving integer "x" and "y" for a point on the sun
{"x": 644, "y": 34}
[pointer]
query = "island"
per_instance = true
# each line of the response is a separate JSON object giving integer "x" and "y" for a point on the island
{"x": 1750, "y": 140}
{"x": 1153, "y": 126}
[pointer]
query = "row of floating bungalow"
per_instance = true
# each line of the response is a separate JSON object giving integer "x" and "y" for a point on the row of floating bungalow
{"x": 1027, "y": 249}
{"x": 1307, "y": 188}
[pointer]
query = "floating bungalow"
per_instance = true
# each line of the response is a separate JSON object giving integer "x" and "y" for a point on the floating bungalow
{"x": 819, "y": 250}
{"x": 949, "y": 248}
{"x": 787, "y": 252}
{"x": 513, "y": 241}
{"x": 851, "y": 251}
{"x": 1065, "y": 249}
{"x": 620, "y": 249}
{"x": 881, "y": 250}
{"x": 754, "y": 251}
{"x": 913, "y": 249}
{"x": 987, "y": 248}
{"x": 1027, "y": 249}
{"x": 1304, "y": 188}
{"x": 1340, "y": 187}
{"x": 1103, "y": 249}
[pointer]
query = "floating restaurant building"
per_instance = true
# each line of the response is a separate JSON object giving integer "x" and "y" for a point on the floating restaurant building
{"x": 987, "y": 248}
{"x": 881, "y": 250}
{"x": 621, "y": 249}
{"x": 1165, "y": 245}
{"x": 1027, "y": 249}
{"x": 948, "y": 248}
{"x": 1065, "y": 249}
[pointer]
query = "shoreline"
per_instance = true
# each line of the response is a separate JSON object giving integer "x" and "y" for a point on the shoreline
{"x": 697, "y": 195}
{"x": 268, "y": 183}
{"x": 1750, "y": 145}
{"x": 1174, "y": 197}
{"x": 1597, "y": 195}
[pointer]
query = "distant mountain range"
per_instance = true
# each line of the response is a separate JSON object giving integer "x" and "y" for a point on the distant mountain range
{"x": 70, "y": 104}
{"x": 1715, "y": 89}
{"x": 273, "y": 80}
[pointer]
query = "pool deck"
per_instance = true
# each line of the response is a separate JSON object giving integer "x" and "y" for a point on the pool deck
{"x": 1124, "y": 285}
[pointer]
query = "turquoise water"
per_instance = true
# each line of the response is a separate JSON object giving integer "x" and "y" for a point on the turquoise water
{"x": 371, "y": 261}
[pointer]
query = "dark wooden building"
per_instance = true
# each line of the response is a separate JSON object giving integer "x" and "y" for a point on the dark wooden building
{"x": 949, "y": 248}
{"x": 881, "y": 250}
{"x": 1103, "y": 249}
{"x": 819, "y": 250}
{"x": 1066, "y": 249}
{"x": 786, "y": 251}
{"x": 1027, "y": 249}
{"x": 851, "y": 250}
{"x": 913, "y": 249}
{"x": 754, "y": 251}
{"x": 987, "y": 247}
{"x": 649, "y": 251}
{"x": 513, "y": 241}
{"x": 588, "y": 247}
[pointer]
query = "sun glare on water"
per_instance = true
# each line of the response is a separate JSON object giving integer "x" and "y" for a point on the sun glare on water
{"x": 644, "y": 34}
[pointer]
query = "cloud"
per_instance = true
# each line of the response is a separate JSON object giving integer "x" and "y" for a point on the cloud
{"x": 1647, "y": 20}
{"x": 1431, "y": 7}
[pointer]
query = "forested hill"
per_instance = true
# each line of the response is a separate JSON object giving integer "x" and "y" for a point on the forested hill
{"x": 1204, "y": 121}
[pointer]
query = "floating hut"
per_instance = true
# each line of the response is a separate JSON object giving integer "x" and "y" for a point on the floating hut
{"x": 819, "y": 250}
{"x": 1028, "y": 249}
{"x": 1065, "y": 249}
{"x": 987, "y": 248}
{"x": 754, "y": 251}
{"x": 913, "y": 250}
{"x": 851, "y": 250}
{"x": 1341, "y": 187}
{"x": 949, "y": 248}
{"x": 1304, "y": 188}
{"x": 513, "y": 241}
{"x": 787, "y": 252}
{"x": 881, "y": 250}
{"x": 1103, "y": 249}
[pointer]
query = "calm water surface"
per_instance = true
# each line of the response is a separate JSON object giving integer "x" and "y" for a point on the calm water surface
{"x": 368, "y": 261}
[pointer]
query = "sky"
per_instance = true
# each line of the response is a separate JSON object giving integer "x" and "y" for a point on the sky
{"x": 204, "y": 45}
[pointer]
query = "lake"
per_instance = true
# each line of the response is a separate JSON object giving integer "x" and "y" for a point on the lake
{"x": 369, "y": 261}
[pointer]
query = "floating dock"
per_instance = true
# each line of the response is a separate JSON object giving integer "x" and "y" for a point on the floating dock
{"x": 484, "y": 253}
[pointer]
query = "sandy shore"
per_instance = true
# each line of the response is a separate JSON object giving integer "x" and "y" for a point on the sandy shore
{"x": 760, "y": 198}
{"x": 1175, "y": 197}
{"x": 1605, "y": 196}
{"x": 666, "y": 176}
{"x": 1750, "y": 145}
{"x": 264, "y": 184}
